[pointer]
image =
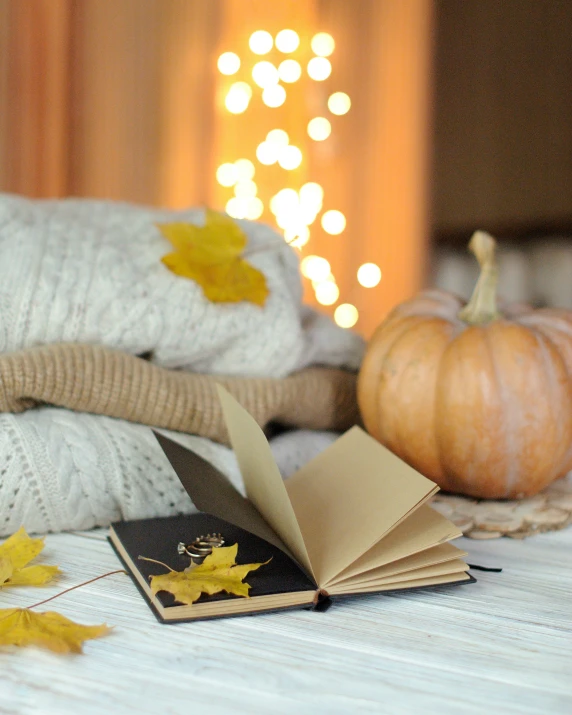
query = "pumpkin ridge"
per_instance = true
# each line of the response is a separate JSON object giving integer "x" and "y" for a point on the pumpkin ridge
{"x": 556, "y": 322}
{"x": 506, "y": 404}
{"x": 540, "y": 335}
{"x": 372, "y": 421}
{"x": 420, "y": 322}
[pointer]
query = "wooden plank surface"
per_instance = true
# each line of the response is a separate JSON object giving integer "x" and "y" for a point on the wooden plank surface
{"x": 501, "y": 645}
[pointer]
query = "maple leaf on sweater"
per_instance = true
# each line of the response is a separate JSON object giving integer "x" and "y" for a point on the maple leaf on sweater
{"x": 212, "y": 256}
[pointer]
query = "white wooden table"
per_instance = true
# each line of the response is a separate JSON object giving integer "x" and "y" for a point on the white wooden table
{"x": 503, "y": 645}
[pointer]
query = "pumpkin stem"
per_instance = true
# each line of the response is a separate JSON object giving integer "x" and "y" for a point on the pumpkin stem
{"x": 482, "y": 308}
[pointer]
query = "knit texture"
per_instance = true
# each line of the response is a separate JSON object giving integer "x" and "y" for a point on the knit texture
{"x": 88, "y": 378}
{"x": 85, "y": 271}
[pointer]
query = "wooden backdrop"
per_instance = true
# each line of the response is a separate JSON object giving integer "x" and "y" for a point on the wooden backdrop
{"x": 119, "y": 100}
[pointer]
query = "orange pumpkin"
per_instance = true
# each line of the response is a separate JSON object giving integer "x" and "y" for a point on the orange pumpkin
{"x": 477, "y": 400}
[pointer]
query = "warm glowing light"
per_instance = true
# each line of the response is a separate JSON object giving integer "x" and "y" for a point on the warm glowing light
{"x": 287, "y": 41}
{"x": 319, "y": 129}
{"x": 228, "y": 63}
{"x": 322, "y": 44}
{"x": 278, "y": 137}
{"x": 274, "y": 96}
{"x": 339, "y": 103}
{"x": 297, "y": 237}
{"x": 319, "y": 68}
{"x": 346, "y": 315}
{"x": 299, "y": 242}
{"x": 315, "y": 268}
{"x": 333, "y": 222}
{"x": 237, "y": 208}
{"x": 290, "y": 157}
{"x": 267, "y": 153}
{"x": 285, "y": 201}
{"x": 245, "y": 189}
{"x": 289, "y": 71}
{"x": 312, "y": 194}
{"x": 226, "y": 175}
{"x": 254, "y": 208}
{"x": 265, "y": 74}
{"x": 260, "y": 42}
{"x": 238, "y": 97}
{"x": 244, "y": 169}
{"x": 327, "y": 293}
{"x": 369, "y": 275}
{"x": 307, "y": 214}
{"x": 283, "y": 221}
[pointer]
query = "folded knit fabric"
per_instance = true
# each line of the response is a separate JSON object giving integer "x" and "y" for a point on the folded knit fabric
{"x": 95, "y": 379}
{"x": 89, "y": 273}
{"x": 85, "y": 271}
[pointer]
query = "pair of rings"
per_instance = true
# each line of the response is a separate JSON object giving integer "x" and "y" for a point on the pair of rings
{"x": 201, "y": 547}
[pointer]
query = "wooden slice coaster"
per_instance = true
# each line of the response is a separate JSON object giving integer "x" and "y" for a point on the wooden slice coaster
{"x": 517, "y": 518}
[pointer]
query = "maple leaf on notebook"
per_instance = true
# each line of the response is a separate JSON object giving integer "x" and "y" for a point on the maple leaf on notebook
{"x": 218, "y": 572}
{"x": 212, "y": 256}
{"x": 15, "y": 555}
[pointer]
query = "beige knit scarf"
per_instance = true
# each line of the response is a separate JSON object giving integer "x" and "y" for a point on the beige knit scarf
{"x": 99, "y": 380}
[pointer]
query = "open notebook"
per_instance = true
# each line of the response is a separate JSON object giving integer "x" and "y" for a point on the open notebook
{"x": 353, "y": 520}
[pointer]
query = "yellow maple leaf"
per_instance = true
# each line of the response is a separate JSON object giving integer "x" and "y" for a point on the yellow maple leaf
{"x": 15, "y": 555}
{"x": 218, "y": 572}
{"x": 21, "y": 627}
{"x": 211, "y": 255}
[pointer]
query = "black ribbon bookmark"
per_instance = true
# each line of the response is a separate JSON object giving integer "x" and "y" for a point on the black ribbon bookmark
{"x": 476, "y": 567}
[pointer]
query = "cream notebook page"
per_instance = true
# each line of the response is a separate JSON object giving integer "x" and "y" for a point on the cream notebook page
{"x": 334, "y": 512}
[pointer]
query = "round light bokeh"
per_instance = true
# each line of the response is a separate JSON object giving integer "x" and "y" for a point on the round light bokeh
{"x": 327, "y": 293}
{"x": 265, "y": 74}
{"x": 244, "y": 169}
{"x": 287, "y": 41}
{"x": 238, "y": 97}
{"x": 322, "y": 44}
{"x": 245, "y": 189}
{"x": 290, "y": 157}
{"x": 289, "y": 71}
{"x": 333, "y": 222}
{"x": 319, "y": 128}
{"x": 274, "y": 96}
{"x": 260, "y": 42}
{"x": 315, "y": 268}
{"x": 319, "y": 68}
{"x": 369, "y": 275}
{"x": 228, "y": 63}
{"x": 226, "y": 174}
{"x": 346, "y": 315}
{"x": 339, "y": 103}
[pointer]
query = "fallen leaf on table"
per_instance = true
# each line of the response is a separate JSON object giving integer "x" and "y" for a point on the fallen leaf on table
{"x": 218, "y": 572}
{"x": 21, "y": 627}
{"x": 15, "y": 555}
{"x": 211, "y": 255}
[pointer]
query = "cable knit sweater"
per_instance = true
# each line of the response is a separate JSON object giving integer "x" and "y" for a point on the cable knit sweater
{"x": 90, "y": 272}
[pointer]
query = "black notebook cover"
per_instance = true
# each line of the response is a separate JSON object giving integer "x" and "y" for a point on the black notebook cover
{"x": 158, "y": 538}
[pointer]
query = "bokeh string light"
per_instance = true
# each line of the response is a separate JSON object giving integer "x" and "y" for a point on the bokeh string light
{"x": 339, "y": 103}
{"x": 228, "y": 63}
{"x": 287, "y": 41}
{"x": 346, "y": 315}
{"x": 261, "y": 42}
{"x": 298, "y": 209}
{"x": 319, "y": 129}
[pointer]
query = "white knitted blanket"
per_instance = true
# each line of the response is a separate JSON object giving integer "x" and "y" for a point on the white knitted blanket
{"x": 90, "y": 271}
